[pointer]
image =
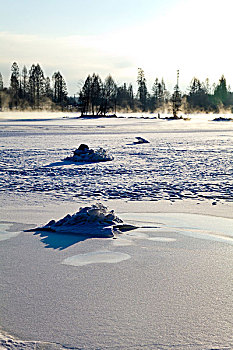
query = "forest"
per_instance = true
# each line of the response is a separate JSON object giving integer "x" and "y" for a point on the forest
{"x": 32, "y": 90}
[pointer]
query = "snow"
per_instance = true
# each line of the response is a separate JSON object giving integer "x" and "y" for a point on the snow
{"x": 5, "y": 233}
{"x": 93, "y": 221}
{"x": 166, "y": 283}
{"x": 192, "y": 225}
{"x": 183, "y": 159}
{"x": 7, "y": 342}
{"x": 84, "y": 154}
{"x": 140, "y": 140}
{"x": 96, "y": 258}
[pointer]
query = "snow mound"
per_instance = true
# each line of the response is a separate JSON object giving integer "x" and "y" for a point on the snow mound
{"x": 222, "y": 119}
{"x": 140, "y": 140}
{"x": 7, "y": 342}
{"x": 93, "y": 221}
{"x": 84, "y": 154}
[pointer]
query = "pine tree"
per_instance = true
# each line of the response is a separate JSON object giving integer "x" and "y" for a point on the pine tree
{"x": 36, "y": 86}
{"x": 198, "y": 95}
{"x": 59, "y": 89}
{"x": 176, "y": 98}
{"x": 14, "y": 85}
{"x": 142, "y": 89}
{"x": 109, "y": 95}
{"x": 131, "y": 97}
{"x": 85, "y": 96}
{"x": 96, "y": 94}
{"x": 24, "y": 82}
{"x": 221, "y": 92}
{"x": 1, "y": 82}
{"x": 48, "y": 89}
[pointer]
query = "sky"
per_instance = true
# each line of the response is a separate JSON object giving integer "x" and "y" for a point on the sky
{"x": 80, "y": 37}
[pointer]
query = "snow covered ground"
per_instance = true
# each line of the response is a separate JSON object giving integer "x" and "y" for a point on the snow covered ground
{"x": 184, "y": 159}
{"x": 164, "y": 285}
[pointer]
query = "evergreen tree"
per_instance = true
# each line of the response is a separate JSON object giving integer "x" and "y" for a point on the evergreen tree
{"x": 125, "y": 97}
{"x": 159, "y": 91}
{"x": 142, "y": 89}
{"x": 159, "y": 96}
{"x": 36, "y": 86}
{"x": 96, "y": 94}
{"x": 85, "y": 96}
{"x": 1, "y": 82}
{"x": 176, "y": 98}
{"x": 59, "y": 89}
{"x": 24, "y": 82}
{"x": 130, "y": 97}
{"x": 14, "y": 85}
{"x": 48, "y": 89}
{"x": 221, "y": 93}
{"x": 109, "y": 95}
{"x": 198, "y": 96}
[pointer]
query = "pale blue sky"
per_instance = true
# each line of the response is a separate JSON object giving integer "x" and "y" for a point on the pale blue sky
{"x": 79, "y": 37}
{"x": 72, "y": 17}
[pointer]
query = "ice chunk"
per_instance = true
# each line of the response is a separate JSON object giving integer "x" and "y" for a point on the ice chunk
{"x": 140, "y": 140}
{"x": 93, "y": 221}
{"x": 85, "y": 154}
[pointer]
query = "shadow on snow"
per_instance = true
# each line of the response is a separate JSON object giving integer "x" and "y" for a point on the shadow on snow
{"x": 58, "y": 240}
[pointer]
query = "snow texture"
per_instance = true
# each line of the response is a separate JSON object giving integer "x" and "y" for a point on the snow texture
{"x": 7, "y": 342}
{"x": 174, "y": 291}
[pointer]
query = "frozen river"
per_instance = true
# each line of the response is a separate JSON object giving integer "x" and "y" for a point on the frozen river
{"x": 178, "y": 163}
{"x": 166, "y": 285}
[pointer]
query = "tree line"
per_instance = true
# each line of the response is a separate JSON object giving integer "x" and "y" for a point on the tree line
{"x": 32, "y": 89}
{"x": 97, "y": 97}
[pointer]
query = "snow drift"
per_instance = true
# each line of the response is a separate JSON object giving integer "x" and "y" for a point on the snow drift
{"x": 84, "y": 154}
{"x": 93, "y": 221}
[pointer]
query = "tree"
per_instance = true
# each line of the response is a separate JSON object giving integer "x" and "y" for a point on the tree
{"x": 96, "y": 94}
{"x": 142, "y": 89}
{"x": 59, "y": 89}
{"x": 125, "y": 97}
{"x": 176, "y": 98}
{"x": 159, "y": 95}
{"x": 36, "y": 86}
{"x": 221, "y": 93}
{"x": 14, "y": 85}
{"x": 48, "y": 89}
{"x": 198, "y": 97}
{"x": 85, "y": 96}
{"x": 24, "y": 82}
{"x": 1, "y": 82}
{"x": 109, "y": 95}
{"x": 131, "y": 97}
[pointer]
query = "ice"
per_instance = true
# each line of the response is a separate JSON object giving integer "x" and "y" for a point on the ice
{"x": 140, "y": 140}
{"x": 162, "y": 239}
{"x": 107, "y": 257}
{"x": 84, "y": 154}
{"x": 165, "y": 284}
{"x": 183, "y": 160}
{"x": 93, "y": 221}
{"x": 192, "y": 225}
{"x": 5, "y": 232}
